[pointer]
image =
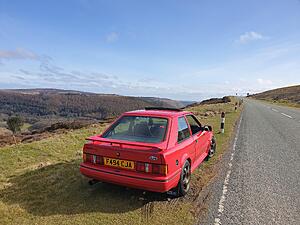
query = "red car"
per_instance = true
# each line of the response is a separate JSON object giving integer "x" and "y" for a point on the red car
{"x": 155, "y": 149}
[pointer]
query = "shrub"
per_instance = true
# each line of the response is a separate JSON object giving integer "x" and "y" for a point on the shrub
{"x": 14, "y": 123}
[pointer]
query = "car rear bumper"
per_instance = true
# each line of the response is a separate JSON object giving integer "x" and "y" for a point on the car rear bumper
{"x": 125, "y": 178}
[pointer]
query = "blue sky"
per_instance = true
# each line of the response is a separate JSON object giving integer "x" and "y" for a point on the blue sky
{"x": 187, "y": 50}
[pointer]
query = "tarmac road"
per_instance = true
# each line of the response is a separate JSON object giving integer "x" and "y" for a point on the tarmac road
{"x": 260, "y": 178}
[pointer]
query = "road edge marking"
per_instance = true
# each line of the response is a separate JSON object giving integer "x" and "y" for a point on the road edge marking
{"x": 286, "y": 115}
{"x": 227, "y": 177}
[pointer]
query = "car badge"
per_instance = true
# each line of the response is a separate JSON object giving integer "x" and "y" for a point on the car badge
{"x": 118, "y": 154}
{"x": 152, "y": 157}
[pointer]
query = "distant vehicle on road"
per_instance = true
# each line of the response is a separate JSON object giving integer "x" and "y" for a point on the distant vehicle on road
{"x": 155, "y": 149}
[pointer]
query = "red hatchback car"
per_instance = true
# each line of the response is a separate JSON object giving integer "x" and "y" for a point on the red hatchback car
{"x": 155, "y": 149}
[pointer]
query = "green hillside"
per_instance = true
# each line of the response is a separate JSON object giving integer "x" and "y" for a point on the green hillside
{"x": 286, "y": 95}
{"x": 40, "y": 183}
{"x": 64, "y": 103}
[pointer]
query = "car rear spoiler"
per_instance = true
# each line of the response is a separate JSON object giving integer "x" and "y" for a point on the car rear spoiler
{"x": 97, "y": 138}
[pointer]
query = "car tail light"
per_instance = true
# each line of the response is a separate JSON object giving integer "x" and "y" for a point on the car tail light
{"x": 99, "y": 160}
{"x": 164, "y": 169}
{"x": 147, "y": 167}
{"x": 160, "y": 169}
{"x": 140, "y": 167}
{"x": 152, "y": 168}
{"x": 95, "y": 159}
{"x": 87, "y": 157}
{"x": 155, "y": 168}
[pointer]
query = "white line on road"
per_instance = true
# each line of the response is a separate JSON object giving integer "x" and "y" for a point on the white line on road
{"x": 226, "y": 181}
{"x": 275, "y": 110}
{"x": 287, "y": 115}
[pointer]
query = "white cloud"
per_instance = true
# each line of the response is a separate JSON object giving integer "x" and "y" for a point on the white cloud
{"x": 19, "y": 53}
{"x": 264, "y": 82}
{"x": 250, "y": 36}
{"x": 112, "y": 37}
{"x": 266, "y": 68}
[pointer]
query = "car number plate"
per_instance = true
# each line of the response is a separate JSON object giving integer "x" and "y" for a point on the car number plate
{"x": 119, "y": 163}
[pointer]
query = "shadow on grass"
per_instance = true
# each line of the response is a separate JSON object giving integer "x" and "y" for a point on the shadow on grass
{"x": 61, "y": 189}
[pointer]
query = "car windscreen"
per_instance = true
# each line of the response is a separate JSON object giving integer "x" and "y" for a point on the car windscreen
{"x": 138, "y": 128}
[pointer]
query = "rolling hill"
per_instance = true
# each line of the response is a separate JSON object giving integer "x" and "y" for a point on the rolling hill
{"x": 289, "y": 94}
{"x": 68, "y": 103}
{"x": 40, "y": 183}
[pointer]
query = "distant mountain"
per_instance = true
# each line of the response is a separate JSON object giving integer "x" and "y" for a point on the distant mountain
{"x": 164, "y": 102}
{"x": 186, "y": 103}
{"x": 290, "y": 94}
{"x": 210, "y": 101}
{"x": 69, "y": 103}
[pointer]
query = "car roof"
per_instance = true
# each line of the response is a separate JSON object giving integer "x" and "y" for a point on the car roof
{"x": 158, "y": 113}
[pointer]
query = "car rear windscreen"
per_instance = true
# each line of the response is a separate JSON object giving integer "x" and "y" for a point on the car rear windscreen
{"x": 139, "y": 129}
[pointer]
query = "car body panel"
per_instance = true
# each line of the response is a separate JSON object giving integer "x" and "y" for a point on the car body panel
{"x": 168, "y": 152}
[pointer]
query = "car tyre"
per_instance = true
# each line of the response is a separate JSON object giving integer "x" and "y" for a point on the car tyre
{"x": 212, "y": 149}
{"x": 185, "y": 178}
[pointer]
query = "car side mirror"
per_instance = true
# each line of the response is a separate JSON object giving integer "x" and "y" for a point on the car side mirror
{"x": 207, "y": 128}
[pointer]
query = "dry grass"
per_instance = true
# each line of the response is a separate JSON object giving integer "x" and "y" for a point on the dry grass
{"x": 40, "y": 183}
{"x": 287, "y": 96}
{"x": 4, "y": 131}
{"x": 281, "y": 102}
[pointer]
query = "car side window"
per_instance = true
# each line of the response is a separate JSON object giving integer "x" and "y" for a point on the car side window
{"x": 183, "y": 129}
{"x": 194, "y": 124}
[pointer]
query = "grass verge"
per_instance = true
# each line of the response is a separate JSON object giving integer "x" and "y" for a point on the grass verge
{"x": 40, "y": 183}
{"x": 281, "y": 102}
